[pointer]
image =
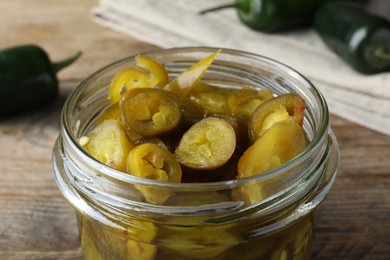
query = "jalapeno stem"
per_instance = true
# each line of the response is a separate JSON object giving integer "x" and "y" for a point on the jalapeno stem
{"x": 64, "y": 63}
{"x": 218, "y": 8}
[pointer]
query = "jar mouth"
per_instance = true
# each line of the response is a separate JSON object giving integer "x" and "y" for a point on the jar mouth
{"x": 319, "y": 134}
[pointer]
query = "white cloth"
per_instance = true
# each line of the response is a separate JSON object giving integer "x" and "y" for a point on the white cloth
{"x": 176, "y": 23}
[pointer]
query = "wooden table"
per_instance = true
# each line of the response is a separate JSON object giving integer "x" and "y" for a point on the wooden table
{"x": 36, "y": 222}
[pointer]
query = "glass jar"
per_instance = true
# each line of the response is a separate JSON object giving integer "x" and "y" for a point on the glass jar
{"x": 197, "y": 220}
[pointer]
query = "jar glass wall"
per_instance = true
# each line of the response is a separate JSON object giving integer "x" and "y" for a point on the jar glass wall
{"x": 197, "y": 220}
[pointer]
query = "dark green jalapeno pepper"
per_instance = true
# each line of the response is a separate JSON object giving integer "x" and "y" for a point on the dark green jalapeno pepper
{"x": 360, "y": 38}
{"x": 273, "y": 15}
{"x": 28, "y": 78}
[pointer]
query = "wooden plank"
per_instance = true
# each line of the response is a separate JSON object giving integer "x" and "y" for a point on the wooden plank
{"x": 43, "y": 255}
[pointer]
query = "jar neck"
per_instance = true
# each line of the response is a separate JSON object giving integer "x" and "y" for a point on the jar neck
{"x": 92, "y": 188}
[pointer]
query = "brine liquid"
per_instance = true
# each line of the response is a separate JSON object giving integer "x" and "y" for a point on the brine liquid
{"x": 166, "y": 242}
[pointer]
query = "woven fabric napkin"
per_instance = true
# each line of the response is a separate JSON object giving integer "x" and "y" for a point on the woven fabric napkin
{"x": 176, "y": 23}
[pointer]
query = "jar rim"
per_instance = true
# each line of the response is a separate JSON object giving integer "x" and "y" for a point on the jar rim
{"x": 316, "y": 140}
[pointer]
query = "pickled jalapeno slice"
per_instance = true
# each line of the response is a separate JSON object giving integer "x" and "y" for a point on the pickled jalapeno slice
{"x": 211, "y": 98}
{"x": 208, "y": 144}
{"x": 240, "y": 128}
{"x": 200, "y": 242}
{"x": 124, "y": 80}
{"x": 131, "y": 242}
{"x": 158, "y": 76}
{"x": 148, "y": 74}
{"x": 152, "y": 140}
{"x": 282, "y": 142}
{"x": 287, "y": 106}
{"x": 153, "y": 162}
{"x": 109, "y": 144}
{"x": 188, "y": 80}
{"x": 243, "y": 102}
{"x": 112, "y": 112}
{"x": 190, "y": 111}
{"x": 149, "y": 112}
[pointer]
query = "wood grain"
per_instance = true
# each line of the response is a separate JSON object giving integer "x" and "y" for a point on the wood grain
{"x": 36, "y": 222}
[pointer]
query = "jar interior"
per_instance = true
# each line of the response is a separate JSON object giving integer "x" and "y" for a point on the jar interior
{"x": 198, "y": 220}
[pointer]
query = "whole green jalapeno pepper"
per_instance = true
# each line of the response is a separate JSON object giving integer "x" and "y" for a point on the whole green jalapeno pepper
{"x": 273, "y": 15}
{"x": 28, "y": 78}
{"x": 360, "y": 38}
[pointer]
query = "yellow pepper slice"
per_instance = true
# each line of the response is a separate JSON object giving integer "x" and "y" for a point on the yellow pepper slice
{"x": 157, "y": 73}
{"x": 241, "y": 103}
{"x": 155, "y": 163}
{"x": 283, "y": 141}
{"x": 109, "y": 144}
{"x": 187, "y": 80}
{"x": 283, "y": 107}
{"x": 112, "y": 112}
{"x": 211, "y": 98}
{"x": 127, "y": 79}
{"x": 148, "y": 74}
